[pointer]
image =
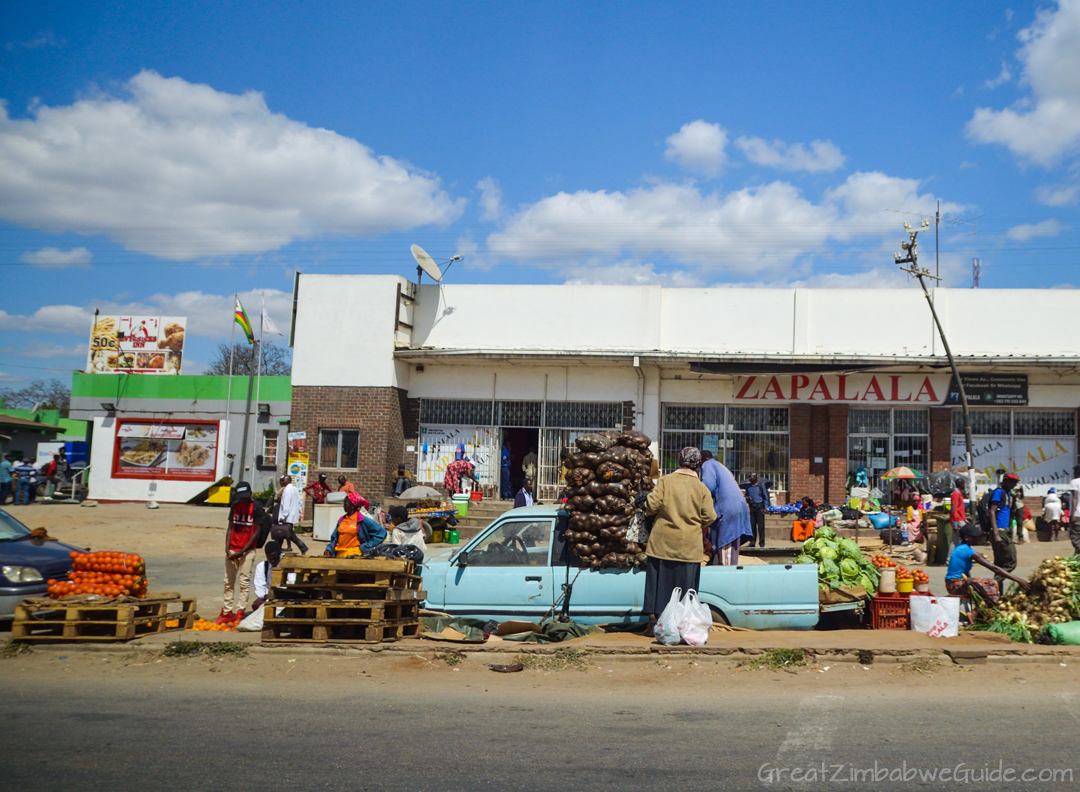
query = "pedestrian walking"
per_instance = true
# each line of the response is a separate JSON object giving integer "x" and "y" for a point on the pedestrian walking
{"x": 1001, "y": 509}
{"x": 757, "y": 497}
{"x": 289, "y": 504}
{"x": 1052, "y": 513}
{"x": 683, "y": 507}
{"x": 957, "y": 513}
{"x": 7, "y": 468}
{"x": 26, "y": 476}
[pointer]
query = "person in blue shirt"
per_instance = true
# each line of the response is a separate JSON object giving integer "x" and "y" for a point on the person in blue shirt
{"x": 27, "y": 474}
{"x": 757, "y": 497}
{"x": 507, "y": 490}
{"x": 958, "y": 580}
{"x": 1001, "y": 508}
{"x": 7, "y": 467}
{"x": 732, "y": 526}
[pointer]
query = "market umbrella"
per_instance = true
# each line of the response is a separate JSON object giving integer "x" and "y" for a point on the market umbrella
{"x": 902, "y": 473}
{"x": 419, "y": 493}
{"x": 979, "y": 474}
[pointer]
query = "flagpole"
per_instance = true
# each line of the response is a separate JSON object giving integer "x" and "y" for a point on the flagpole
{"x": 228, "y": 398}
{"x": 258, "y": 375}
{"x": 247, "y": 420}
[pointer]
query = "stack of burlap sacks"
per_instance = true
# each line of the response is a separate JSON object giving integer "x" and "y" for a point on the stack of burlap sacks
{"x": 603, "y": 476}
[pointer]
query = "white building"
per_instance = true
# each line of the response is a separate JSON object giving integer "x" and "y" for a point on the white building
{"x": 800, "y": 385}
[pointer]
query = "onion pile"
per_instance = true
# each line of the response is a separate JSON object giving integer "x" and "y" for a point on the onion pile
{"x": 603, "y": 475}
{"x": 1052, "y": 599}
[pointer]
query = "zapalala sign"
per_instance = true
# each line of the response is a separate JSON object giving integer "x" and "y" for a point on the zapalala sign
{"x": 844, "y": 388}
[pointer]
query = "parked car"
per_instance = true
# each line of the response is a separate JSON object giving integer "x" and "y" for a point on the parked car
{"x": 517, "y": 567}
{"x": 27, "y": 564}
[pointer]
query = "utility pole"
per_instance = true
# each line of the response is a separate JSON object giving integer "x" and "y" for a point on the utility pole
{"x": 911, "y": 249}
{"x": 937, "y": 257}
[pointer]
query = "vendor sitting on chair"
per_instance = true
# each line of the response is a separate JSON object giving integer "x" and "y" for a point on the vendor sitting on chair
{"x": 355, "y": 532}
{"x": 958, "y": 580}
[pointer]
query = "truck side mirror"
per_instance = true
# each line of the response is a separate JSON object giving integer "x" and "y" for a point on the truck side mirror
{"x": 463, "y": 559}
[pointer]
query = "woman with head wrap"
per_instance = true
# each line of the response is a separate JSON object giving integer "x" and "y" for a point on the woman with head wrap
{"x": 682, "y": 506}
{"x": 355, "y": 532}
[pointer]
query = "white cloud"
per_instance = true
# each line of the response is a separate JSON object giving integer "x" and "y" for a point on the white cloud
{"x": 740, "y": 231}
{"x": 55, "y": 258}
{"x": 209, "y": 315}
{"x": 1047, "y": 126}
{"x": 1003, "y": 77}
{"x": 822, "y": 156}
{"x": 182, "y": 171}
{"x": 628, "y": 273}
{"x": 46, "y": 350}
{"x": 698, "y": 147}
{"x": 490, "y": 199}
{"x": 1047, "y": 228}
{"x": 1057, "y": 195}
{"x": 44, "y": 38}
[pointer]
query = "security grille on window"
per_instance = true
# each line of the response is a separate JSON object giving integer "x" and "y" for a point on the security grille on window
{"x": 269, "y": 447}
{"x": 583, "y": 415}
{"x": 1037, "y": 445}
{"x": 882, "y": 439}
{"x": 457, "y": 412}
{"x": 339, "y": 449}
{"x": 745, "y": 439}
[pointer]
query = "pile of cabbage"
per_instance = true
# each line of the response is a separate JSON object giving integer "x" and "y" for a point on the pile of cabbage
{"x": 840, "y": 562}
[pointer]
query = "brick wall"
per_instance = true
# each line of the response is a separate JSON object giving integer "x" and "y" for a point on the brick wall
{"x": 837, "y": 459}
{"x": 376, "y": 412}
{"x": 799, "y": 474}
{"x": 940, "y": 438}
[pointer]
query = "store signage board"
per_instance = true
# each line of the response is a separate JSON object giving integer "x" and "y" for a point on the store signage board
{"x": 862, "y": 389}
{"x": 1040, "y": 462}
{"x": 176, "y": 451}
{"x": 987, "y": 390}
{"x": 136, "y": 345}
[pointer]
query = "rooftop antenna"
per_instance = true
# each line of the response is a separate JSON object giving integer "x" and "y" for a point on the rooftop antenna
{"x": 425, "y": 263}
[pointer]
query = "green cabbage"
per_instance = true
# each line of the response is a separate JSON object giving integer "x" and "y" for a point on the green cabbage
{"x": 827, "y": 552}
{"x": 849, "y": 571}
{"x": 805, "y": 559}
{"x": 825, "y": 533}
{"x": 868, "y": 584}
{"x": 849, "y": 548}
{"x": 829, "y": 571}
{"x": 809, "y": 545}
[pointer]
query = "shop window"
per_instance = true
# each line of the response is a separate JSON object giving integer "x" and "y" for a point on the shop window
{"x": 457, "y": 412}
{"x": 519, "y": 413}
{"x": 269, "y": 447}
{"x": 339, "y": 449}
{"x": 1044, "y": 423}
{"x": 984, "y": 422}
{"x": 583, "y": 415}
{"x": 745, "y": 439}
{"x": 886, "y": 438}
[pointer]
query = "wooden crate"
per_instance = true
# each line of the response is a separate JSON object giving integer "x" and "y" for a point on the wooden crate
{"x": 55, "y": 620}
{"x": 340, "y": 633}
{"x": 358, "y": 580}
{"x": 293, "y": 562}
{"x": 339, "y": 611}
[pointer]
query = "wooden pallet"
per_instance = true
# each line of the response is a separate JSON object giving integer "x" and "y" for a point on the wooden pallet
{"x": 339, "y": 612}
{"x": 344, "y": 578}
{"x": 36, "y": 620}
{"x": 401, "y": 565}
{"x": 340, "y": 633}
{"x": 315, "y": 592}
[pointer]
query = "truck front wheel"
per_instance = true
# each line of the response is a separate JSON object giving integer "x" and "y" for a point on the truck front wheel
{"x": 718, "y": 616}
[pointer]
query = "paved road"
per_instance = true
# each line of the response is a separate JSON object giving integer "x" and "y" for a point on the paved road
{"x": 265, "y": 730}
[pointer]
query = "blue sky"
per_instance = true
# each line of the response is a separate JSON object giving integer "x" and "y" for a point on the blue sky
{"x": 158, "y": 157}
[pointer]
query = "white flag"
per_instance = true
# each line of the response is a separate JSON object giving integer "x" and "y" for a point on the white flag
{"x": 268, "y": 325}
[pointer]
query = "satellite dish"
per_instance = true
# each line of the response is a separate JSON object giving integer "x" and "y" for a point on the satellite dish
{"x": 426, "y": 263}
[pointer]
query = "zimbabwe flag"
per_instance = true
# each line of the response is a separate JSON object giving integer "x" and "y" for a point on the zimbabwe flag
{"x": 244, "y": 322}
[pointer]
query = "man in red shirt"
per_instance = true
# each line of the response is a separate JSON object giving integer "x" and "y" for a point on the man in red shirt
{"x": 958, "y": 515}
{"x": 318, "y": 489}
{"x": 246, "y": 519}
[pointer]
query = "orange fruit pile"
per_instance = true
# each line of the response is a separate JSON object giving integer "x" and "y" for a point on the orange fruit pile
{"x": 882, "y": 562}
{"x": 920, "y": 576}
{"x": 902, "y": 573}
{"x": 106, "y": 573}
{"x": 209, "y": 626}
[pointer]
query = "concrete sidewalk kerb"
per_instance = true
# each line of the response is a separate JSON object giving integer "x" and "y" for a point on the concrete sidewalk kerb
{"x": 838, "y": 647}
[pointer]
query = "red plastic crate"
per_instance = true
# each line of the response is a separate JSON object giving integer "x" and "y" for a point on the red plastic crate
{"x": 890, "y": 612}
{"x": 476, "y": 495}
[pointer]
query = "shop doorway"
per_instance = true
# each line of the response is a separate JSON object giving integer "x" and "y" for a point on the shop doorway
{"x": 522, "y": 443}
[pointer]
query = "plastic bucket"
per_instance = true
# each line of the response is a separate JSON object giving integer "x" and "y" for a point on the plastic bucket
{"x": 888, "y": 582}
{"x": 905, "y": 586}
{"x": 461, "y": 503}
{"x": 923, "y": 588}
{"x": 477, "y": 496}
{"x": 452, "y": 537}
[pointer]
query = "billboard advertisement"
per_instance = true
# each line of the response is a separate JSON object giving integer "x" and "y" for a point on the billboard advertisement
{"x": 173, "y": 450}
{"x": 136, "y": 345}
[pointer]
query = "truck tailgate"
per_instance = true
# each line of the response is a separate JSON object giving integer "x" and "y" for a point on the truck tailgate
{"x": 771, "y": 597}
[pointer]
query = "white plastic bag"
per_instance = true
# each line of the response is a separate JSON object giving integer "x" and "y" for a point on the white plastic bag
{"x": 695, "y": 619}
{"x": 252, "y": 622}
{"x": 666, "y": 628}
{"x": 938, "y": 617}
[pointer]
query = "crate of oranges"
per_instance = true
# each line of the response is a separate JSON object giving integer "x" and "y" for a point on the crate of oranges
{"x": 105, "y": 573}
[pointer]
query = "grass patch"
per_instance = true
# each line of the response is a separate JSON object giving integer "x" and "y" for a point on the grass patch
{"x": 562, "y": 660}
{"x": 453, "y": 658}
{"x": 920, "y": 666}
{"x": 198, "y": 648}
{"x": 777, "y": 660}
{"x": 15, "y": 649}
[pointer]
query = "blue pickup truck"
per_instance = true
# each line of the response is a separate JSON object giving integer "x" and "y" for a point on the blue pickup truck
{"x": 518, "y": 566}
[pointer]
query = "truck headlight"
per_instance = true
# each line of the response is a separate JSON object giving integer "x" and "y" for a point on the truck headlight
{"x": 21, "y": 574}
